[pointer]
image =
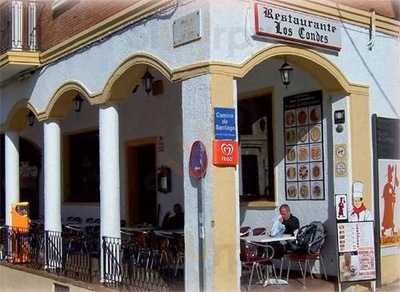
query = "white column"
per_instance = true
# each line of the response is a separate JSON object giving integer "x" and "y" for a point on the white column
{"x": 12, "y": 172}
{"x": 109, "y": 181}
{"x": 52, "y": 176}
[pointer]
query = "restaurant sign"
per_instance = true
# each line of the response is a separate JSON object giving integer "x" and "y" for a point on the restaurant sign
{"x": 294, "y": 26}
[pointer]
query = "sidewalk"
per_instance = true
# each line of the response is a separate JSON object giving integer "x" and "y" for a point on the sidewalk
{"x": 314, "y": 285}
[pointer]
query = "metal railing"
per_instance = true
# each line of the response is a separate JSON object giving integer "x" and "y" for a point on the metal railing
{"x": 138, "y": 260}
{"x": 22, "y": 246}
{"x": 81, "y": 255}
{"x": 143, "y": 261}
{"x": 18, "y": 25}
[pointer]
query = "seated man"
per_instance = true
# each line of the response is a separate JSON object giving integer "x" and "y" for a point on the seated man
{"x": 175, "y": 221}
{"x": 285, "y": 224}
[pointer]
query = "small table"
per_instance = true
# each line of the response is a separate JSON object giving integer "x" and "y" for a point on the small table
{"x": 169, "y": 232}
{"x": 268, "y": 239}
{"x": 138, "y": 229}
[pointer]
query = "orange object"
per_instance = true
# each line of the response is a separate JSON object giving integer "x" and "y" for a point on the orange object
{"x": 19, "y": 230}
{"x": 225, "y": 153}
{"x": 20, "y": 215}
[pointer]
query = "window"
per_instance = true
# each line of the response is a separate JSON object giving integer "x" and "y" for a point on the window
{"x": 256, "y": 148}
{"x": 82, "y": 167}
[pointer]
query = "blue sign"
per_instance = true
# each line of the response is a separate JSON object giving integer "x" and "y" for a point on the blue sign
{"x": 225, "y": 123}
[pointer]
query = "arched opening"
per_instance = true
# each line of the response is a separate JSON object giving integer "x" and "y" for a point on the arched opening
{"x": 23, "y": 119}
{"x": 287, "y": 138}
{"x": 150, "y": 135}
{"x": 61, "y": 103}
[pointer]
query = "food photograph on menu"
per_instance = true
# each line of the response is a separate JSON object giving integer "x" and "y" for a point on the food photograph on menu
{"x": 356, "y": 251}
{"x": 304, "y": 155}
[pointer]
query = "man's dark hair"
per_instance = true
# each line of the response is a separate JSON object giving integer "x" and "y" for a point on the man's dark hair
{"x": 284, "y": 206}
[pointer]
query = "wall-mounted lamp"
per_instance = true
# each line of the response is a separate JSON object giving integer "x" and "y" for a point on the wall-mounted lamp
{"x": 31, "y": 118}
{"x": 77, "y": 101}
{"x": 285, "y": 70}
{"x": 147, "y": 81}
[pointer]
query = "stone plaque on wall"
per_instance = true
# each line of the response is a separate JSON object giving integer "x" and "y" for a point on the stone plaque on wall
{"x": 187, "y": 29}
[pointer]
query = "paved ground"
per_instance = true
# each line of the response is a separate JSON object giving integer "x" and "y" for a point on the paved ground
{"x": 313, "y": 285}
{"x": 394, "y": 287}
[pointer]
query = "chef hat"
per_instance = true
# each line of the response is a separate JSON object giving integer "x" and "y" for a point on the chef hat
{"x": 358, "y": 189}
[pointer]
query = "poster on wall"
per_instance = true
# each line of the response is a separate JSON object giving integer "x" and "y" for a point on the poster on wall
{"x": 304, "y": 149}
{"x": 356, "y": 251}
{"x": 389, "y": 190}
{"x": 341, "y": 207}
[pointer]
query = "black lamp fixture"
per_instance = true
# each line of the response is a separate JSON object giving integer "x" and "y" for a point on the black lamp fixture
{"x": 31, "y": 118}
{"x": 285, "y": 70}
{"x": 77, "y": 103}
{"x": 147, "y": 81}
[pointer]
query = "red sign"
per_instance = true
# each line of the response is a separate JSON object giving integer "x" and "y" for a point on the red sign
{"x": 198, "y": 160}
{"x": 225, "y": 153}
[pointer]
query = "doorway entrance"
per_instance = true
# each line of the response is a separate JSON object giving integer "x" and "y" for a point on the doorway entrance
{"x": 142, "y": 194}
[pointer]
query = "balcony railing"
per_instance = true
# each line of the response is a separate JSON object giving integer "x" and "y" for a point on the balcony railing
{"x": 18, "y": 26}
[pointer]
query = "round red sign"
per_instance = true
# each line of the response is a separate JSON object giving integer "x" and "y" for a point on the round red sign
{"x": 198, "y": 160}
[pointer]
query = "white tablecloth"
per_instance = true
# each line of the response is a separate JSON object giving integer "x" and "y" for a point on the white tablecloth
{"x": 267, "y": 238}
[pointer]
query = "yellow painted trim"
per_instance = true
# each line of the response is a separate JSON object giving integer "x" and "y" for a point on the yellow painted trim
{"x": 60, "y": 103}
{"x": 17, "y": 116}
{"x": 259, "y": 205}
{"x": 141, "y": 141}
{"x": 139, "y": 10}
{"x": 360, "y": 124}
{"x": 145, "y": 8}
{"x": 225, "y": 231}
{"x": 129, "y": 74}
{"x": 327, "y": 73}
{"x": 19, "y": 58}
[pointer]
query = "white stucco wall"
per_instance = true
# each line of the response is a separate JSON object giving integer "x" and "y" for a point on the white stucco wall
{"x": 227, "y": 35}
{"x": 232, "y": 40}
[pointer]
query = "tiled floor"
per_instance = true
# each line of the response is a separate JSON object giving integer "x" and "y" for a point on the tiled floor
{"x": 295, "y": 285}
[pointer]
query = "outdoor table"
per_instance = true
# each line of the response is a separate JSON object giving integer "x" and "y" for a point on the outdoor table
{"x": 138, "y": 229}
{"x": 169, "y": 232}
{"x": 268, "y": 239}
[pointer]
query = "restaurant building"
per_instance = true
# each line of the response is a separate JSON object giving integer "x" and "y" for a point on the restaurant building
{"x": 101, "y": 102}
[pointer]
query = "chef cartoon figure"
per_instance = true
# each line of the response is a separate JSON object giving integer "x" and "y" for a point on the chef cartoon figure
{"x": 359, "y": 212}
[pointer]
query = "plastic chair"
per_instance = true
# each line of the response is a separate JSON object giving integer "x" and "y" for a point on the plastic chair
{"x": 245, "y": 231}
{"x": 255, "y": 257}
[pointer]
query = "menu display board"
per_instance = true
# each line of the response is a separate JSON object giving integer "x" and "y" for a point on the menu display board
{"x": 356, "y": 251}
{"x": 304, "y": 149}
